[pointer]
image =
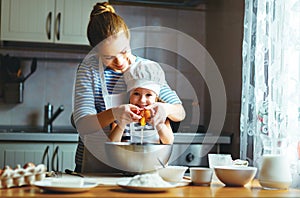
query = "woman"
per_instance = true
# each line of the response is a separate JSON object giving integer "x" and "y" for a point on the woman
{"x": 100, "y": 87}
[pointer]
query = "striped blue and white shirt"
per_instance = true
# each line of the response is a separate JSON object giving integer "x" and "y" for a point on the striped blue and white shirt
{"x": 88, "y": 92}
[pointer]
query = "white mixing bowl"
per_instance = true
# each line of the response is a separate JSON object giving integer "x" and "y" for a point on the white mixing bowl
{"x": 235, "y": 175}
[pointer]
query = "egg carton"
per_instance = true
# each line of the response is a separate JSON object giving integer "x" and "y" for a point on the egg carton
{"x": 22, "y": 176}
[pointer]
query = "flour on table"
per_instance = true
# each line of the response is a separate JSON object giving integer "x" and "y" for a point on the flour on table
{"x": 148, "y": 180}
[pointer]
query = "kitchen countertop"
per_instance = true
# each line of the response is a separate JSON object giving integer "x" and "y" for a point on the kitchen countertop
{"x": 180, "y": 138}
{"x": 215, "y": 190}
{"x": 36, "y": 134}
{"x": 39, "y": 137}
{"x": 200, "y": 137}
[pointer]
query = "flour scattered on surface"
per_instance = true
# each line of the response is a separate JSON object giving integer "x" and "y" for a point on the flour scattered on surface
{"x": 148, "y": 180}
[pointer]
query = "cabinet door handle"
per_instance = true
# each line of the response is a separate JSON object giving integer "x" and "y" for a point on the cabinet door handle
{"x": 57, "y": 159}
{"x": 48, "y": 25}
{"x": 55, "y": 154}
{"x": 58, "y": 18}
{"x": 46, "y": 156}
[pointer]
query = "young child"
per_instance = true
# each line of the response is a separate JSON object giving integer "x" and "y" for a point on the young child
{"x": 144, "y": 80}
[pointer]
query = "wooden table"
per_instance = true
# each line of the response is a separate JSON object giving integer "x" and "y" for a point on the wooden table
{"x": 215, "y": 190}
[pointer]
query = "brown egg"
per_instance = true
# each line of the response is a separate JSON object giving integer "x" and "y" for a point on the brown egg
{"x": 18, "y": 167}
{"x": 7, "y": 168}
{"x": 147, "y": 113}
{"x": 6, "y": 172}
{"x": 29, "y": 164}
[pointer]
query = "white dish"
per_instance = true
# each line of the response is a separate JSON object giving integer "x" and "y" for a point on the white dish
{"x": 172, "y": 173}
{"x": 47, "y": 185}
{"x": 124, "y": 184}
{"x": 235, "y": 175}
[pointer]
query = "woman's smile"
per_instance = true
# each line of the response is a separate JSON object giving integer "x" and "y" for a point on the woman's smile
{"x": 115, "y": 52}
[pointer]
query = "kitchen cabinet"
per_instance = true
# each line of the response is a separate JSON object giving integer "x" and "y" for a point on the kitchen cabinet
{"x": 48, "y": 21}
{"x": 56, "y": 156}
{"x": 63, "y": 156}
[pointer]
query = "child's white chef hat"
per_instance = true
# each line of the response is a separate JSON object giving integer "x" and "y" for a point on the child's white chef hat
{"x": 145, "y": 74}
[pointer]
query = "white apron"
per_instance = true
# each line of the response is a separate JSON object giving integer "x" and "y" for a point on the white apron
{"x": 90, "y": 163}
{"x": 110, "y": 100}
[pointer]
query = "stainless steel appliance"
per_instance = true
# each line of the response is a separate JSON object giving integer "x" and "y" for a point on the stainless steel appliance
{"x": 190, "y": 148}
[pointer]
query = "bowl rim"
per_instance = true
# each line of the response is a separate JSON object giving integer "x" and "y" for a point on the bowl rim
{"x": 201, "y": 168}
{"x": 135, "y": 144}
{"x": 175, "y": 167}
{"x": 235, "y": 168}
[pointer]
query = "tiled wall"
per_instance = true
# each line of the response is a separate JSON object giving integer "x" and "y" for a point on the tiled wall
{"x": 174, "y": 24}
{"x": 52, "y": 82}
{"x": 218, "y": 29}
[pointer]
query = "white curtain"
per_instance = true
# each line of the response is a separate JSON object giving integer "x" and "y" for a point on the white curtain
{"x": 270, "y": 114}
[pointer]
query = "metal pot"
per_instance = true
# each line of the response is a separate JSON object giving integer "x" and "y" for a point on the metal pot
{"x": 137, "y": 158}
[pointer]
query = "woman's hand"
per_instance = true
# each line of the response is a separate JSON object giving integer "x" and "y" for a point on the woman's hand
{"x": 125, "y": 114}
{"x": 159, "y": 113}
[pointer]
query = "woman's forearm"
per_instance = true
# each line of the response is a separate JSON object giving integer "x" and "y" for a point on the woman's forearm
{"x": 94, "y": 122}
{"x": 175, "y": 112}
{"x": 105, "y": 118}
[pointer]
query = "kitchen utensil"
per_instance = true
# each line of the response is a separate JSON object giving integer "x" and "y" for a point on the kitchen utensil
{"x": 14, "y": 87}
{"x": 70, "y": 172}
{"x": 137, "y": 158}
{"x": 13, "y": 68}
{"x": 172, "y": 173}
{"x": 275, "y": 172}
{"x": 14, "y": 71}
{"x": 162, "y": 164}
{"x": 235, "y": 175}
{"x": 201, "y": 175}
{"x": 32, "y": 69}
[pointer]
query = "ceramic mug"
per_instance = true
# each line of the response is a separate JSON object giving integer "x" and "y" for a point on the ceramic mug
{"x": 201, "y": 175}
{"x": 275, "y": 172}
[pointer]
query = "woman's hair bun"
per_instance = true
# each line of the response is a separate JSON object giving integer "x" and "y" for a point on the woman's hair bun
{"x": 100, "y": 8}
